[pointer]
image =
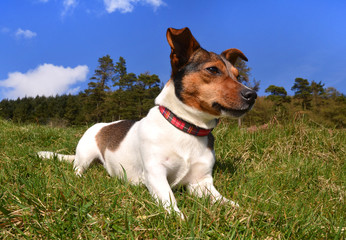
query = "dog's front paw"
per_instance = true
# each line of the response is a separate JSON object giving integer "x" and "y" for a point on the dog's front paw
{"x": 181, "y": 215}
{"x": 224, "y": 200}
{"x": 78, "y": 171}
{"x": 233, "y": 204}
{"x": 176, "y": 211}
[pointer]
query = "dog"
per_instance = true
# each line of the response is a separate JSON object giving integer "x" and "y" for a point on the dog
{"x": 173, "y": 145}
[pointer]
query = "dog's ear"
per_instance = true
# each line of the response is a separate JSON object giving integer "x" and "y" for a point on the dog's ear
{"x": 183, "y": 45}
{"x": 233, "y": 54}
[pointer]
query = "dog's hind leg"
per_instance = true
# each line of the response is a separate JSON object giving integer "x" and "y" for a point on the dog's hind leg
{"x": 82, "y": 163}
{"x": 85, "y": 155}
{"x": 79, "y": 166}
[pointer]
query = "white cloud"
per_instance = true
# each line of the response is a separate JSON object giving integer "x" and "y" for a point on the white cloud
{"x": 73, "y": 91}
{"x": 155, "y": 3}
{"x": 125, "y": 6}
{"x": 68, "y": 5}
{"x": 25, "y": 33}
{"x": 46, "y": 79}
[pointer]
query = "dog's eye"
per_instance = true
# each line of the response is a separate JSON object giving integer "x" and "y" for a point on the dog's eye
{"x": 213, "y": 70}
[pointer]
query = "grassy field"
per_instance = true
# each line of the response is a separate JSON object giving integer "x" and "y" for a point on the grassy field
{"x": 289, "y": 181}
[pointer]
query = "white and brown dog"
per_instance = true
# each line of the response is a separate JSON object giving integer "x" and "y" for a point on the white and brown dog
{"x": 173, "y": 144}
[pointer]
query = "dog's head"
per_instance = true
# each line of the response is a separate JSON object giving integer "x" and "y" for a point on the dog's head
{"x": 205, "y": 80}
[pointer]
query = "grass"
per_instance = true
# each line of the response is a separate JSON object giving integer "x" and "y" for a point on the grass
{"x": 289, "y": 181}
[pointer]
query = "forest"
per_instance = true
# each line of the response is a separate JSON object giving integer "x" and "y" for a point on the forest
{"x": 113, "y": 93}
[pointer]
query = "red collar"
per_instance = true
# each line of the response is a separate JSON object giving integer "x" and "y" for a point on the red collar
{"x": 182, "y": 124}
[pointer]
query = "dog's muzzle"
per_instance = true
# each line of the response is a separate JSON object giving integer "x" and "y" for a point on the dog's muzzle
{"x": 248, "y": 98}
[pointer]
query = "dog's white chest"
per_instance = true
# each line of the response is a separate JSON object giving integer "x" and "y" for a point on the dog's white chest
{"x": 177, "y": 168}
{"x": 183, "y": 158}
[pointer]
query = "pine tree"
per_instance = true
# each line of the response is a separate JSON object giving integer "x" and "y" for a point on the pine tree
{"x": 120, "y": 71}
{"x": 98, "y": 88}
{"x": 123, "y": 98}
{"x": 278, "y": 95}
{"x": 147, "y": 88}
{"x": 332, "y": 93}
{"x": 317, "y": 91}
{"x": 73, "y": 109}
{"x": 6, "y": 109}
{"x": 41, "y": 111}
{"x": 303, "y": 92}
{"x": 121, "y": 79}
{"x": 23, "y": 111}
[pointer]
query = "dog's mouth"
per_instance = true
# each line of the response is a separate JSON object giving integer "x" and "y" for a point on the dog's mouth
{"x": 230, "y": 111}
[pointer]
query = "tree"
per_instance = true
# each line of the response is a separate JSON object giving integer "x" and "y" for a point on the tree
{"x": 317, "y": 88}
{"x": 303, "y": 92}
{"x": 278, "y": 95}
{"x": 98, "y": 86}
{"x": 73, "y": 109}
{"x": 146, "y": 90}
{"x": 23, "y": 110}
{"x": 332, "y": 93}
{"x": 41, "y": 111}
{"x": 6, "y": 109}
{"x": 121, "y": 101}
{"x": 317, "y": 91}
{"x": 122, "y": 79}
{"x": 104, "y": 73}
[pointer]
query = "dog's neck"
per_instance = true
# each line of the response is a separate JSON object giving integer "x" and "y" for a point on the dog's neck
{"x": 168, "y": 99}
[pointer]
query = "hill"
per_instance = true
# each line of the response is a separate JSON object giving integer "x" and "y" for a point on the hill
{"x": 289, "y": 181}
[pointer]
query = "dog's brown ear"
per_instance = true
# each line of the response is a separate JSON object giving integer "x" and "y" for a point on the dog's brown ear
{"x": 233, "y": 54}
{"x": 183, "y": 45}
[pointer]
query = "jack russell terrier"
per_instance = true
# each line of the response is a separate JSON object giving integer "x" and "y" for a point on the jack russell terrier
{"x": 173, "y": 144}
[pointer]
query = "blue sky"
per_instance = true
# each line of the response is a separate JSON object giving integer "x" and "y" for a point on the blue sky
{"x": 50, "y": 47}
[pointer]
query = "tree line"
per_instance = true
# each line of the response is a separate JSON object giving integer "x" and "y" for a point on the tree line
{"x": 113, "y": 93}
{"x": 325, "y": 106}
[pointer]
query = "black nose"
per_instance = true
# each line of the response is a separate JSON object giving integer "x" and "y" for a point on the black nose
{"x": 249, "y": 95}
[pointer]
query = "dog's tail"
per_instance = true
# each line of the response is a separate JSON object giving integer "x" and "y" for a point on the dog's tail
{"x": 61, "y": 157}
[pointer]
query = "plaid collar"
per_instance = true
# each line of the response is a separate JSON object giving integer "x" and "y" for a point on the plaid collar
{"x": 182, "y": 124}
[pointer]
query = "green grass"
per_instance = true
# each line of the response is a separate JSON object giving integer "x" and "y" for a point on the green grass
{"x": 289, "y": 181}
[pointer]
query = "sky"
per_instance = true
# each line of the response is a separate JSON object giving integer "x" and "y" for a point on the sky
{"x": 50, "y": 47}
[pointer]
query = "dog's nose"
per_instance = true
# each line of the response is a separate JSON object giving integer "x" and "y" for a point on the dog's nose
{"x": 249, "y": 95}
